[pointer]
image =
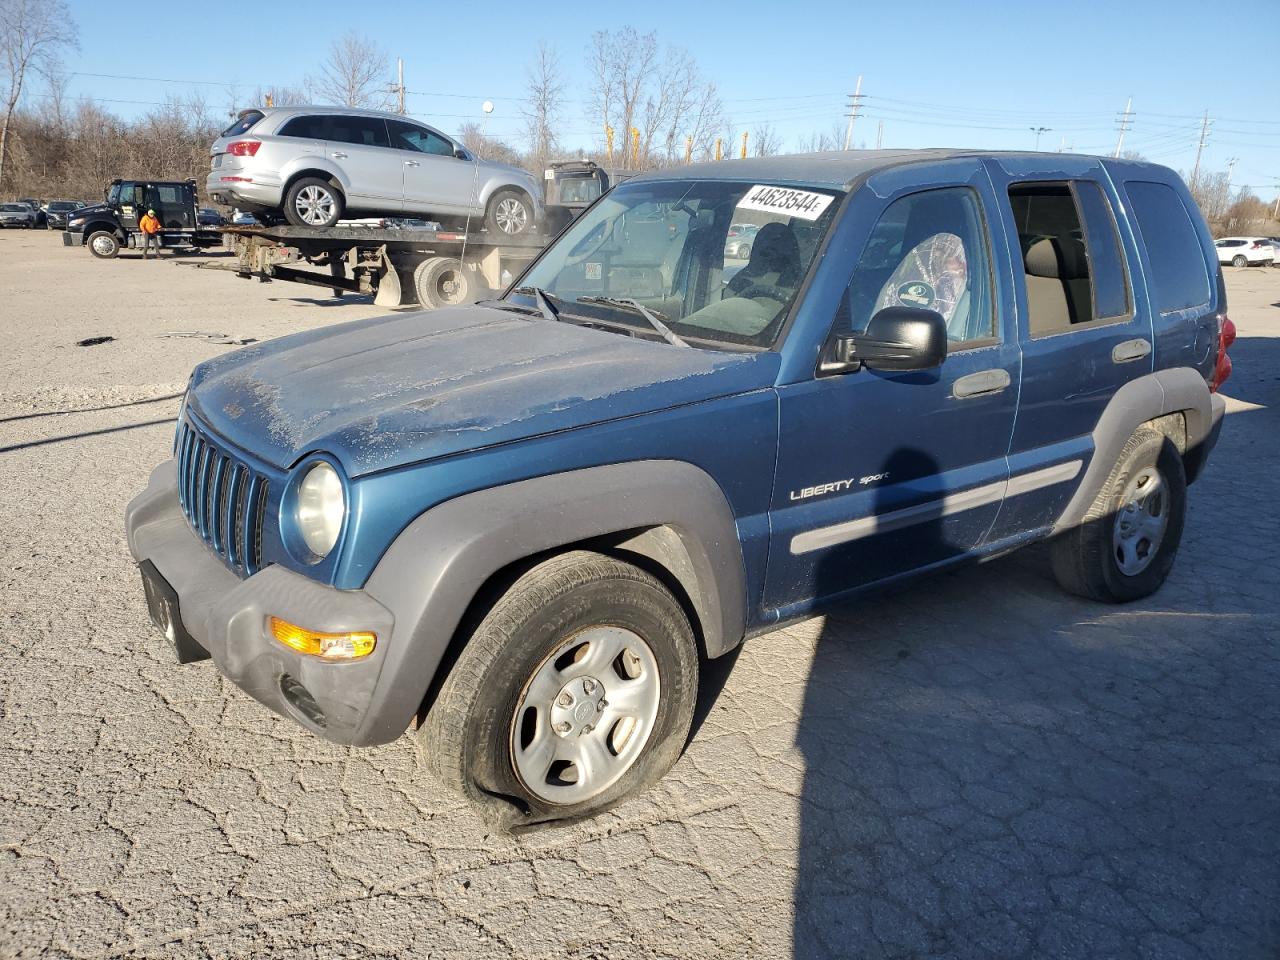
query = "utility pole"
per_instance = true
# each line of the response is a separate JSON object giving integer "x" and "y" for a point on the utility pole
{"x": 688, "y": 149}
{"x": 879, "y": 134}
{"x": 855, "y": 104}
{"x": 1037, "y": 131}
{"x": 398, "y": 87}
{"x": 1124, "y": 124}
{"x": 1231, "y": 165}
{"x": 744, "y": 144}
{"x": 1204, "y": 136}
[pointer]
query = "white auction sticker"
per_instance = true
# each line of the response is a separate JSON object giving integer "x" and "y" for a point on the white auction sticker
{"x": 797, "y": 203}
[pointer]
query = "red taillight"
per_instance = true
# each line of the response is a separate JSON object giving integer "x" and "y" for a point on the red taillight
{"x": 244, "y": 148}
{"x": 1222, "y": 366}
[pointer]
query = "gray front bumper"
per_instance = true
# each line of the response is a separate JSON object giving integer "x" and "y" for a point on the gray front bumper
{"x": 228, "y": 616}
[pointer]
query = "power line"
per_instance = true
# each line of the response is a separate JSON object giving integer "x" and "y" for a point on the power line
{"x": 1124, "y": 124}
{"x": 855, "y": 104}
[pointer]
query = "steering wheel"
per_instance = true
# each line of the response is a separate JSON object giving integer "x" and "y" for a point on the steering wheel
{"x": 769, "y": 290}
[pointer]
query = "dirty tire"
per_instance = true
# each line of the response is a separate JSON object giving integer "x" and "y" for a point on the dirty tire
{"x": 1085, "y": 558}
{"x": 316, "y": 195}
{"x": 469, "y": 731}
{"x": 441, "y": 282}
{"x": 509, "y": 214}
{"x": 103, "y": 244}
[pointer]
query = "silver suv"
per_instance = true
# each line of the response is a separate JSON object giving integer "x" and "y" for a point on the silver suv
{"x": 316, "y": 165}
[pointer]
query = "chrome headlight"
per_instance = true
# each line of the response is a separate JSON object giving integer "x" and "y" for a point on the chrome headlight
{"x": 321, "y": 507}
{"x": 76, "y": 222}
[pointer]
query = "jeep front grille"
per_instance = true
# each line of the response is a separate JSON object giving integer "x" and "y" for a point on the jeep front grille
{"x": 223, "y": 498}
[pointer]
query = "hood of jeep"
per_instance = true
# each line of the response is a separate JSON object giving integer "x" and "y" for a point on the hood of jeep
{"x": 396, "y": 390}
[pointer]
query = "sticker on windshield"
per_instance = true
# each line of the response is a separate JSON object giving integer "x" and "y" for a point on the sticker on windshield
{"x": 796, "y": 203}
{"x": 593, "y": 271}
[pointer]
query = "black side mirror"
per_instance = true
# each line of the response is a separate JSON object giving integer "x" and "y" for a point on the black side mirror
{"x": 461, "y": 154}
{"x": 897, "y": 338}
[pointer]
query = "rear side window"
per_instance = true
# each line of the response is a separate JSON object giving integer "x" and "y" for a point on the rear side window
{"x": 244, "y": 123}
{"x": 308, "y": 128}
{"x": 360, "y": 131}
{"x": 1106, "y": 264}
{"x": 1179, "y": 277}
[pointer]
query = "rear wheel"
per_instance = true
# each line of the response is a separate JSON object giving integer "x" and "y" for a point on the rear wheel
{"x": 509, "y": 213}
{"x": 441, "y": 282}
{"x": 312, "y": 202}
{"x": 1239, "y": 261}
{"x": 575, "y": 690}
{"x": 1125, "y": 546}
{"x": 104, "y": 244}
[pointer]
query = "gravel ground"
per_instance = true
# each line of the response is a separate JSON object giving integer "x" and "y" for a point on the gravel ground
{"x": 977, "y": 766}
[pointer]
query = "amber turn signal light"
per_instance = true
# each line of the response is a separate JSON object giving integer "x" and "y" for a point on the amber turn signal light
{"x": 327, "y": 646}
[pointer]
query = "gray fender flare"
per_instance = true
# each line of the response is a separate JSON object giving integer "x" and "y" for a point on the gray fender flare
{"x": 435, "y": 567}
{"x": 1178, "y": 390}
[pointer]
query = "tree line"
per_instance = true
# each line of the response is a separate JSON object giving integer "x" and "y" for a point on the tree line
{"x": 649, "y": 101}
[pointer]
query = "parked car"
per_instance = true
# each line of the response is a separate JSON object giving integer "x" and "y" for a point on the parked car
{"x": 209, "y": 217}
{"x": 56, "y": 213}
{"x": 738, "y": 242}
{"x": 528, "y": 521}
{"x": 1245, "y": 251}
{"x": 106, "y": 227}
{"x": 316, "y": 165}
{"x": 1275, "y": 246}
{"x": 35, "y": 206}
{"x": 17, "y": 215}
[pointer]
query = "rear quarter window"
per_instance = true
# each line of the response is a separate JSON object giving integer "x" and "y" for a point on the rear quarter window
{"x": 1179, "y": 276}
{"x": 244, "y": 123}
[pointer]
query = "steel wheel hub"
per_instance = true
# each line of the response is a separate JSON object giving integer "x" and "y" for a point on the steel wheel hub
{"x": 101, "y": 244}
{"x": 585, "y": 715}
{"x": 1141, "y": 522}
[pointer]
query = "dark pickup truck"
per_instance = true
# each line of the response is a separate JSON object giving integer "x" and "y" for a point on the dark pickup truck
{"x": 106, "y": 227}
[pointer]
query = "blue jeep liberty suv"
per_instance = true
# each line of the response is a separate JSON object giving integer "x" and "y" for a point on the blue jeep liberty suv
{"x": 520, "y": 526}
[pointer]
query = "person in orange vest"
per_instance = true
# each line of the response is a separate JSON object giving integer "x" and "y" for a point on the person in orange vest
{"x": 150, "y": 227}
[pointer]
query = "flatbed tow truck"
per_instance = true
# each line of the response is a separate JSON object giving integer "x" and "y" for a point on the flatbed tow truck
{"x": 399, "y": 266}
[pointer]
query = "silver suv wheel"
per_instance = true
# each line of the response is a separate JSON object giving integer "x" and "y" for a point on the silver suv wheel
{"x": 314, "y": 205}
{"x": 511, "y": 215}
{"x": 585, "y": 715}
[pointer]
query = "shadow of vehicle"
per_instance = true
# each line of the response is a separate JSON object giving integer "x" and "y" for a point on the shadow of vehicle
{"x": 994, "y": 768}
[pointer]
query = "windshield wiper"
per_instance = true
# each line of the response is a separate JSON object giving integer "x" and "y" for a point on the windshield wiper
{"x": 540, "y": 298}
{"x": 655, "y": 320}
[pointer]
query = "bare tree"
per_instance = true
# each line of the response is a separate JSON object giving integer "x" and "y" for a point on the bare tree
{"x": 1211, "y": 192}
{"x": 660, "y": 93}
{"x": 472, "y": 136}
{"x": 32, "y": 33}
{"x": 355, "y": 73}
{"x": 765, "y": 141}
{"x": 544, "y": 104}
{"x": 622, "y": 66}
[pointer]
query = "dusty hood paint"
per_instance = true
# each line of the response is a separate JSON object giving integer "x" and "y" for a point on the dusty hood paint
{"x": 410, "y": 387}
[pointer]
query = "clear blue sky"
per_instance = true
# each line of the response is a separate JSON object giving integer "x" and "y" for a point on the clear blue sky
{"x": 955, "y": 74}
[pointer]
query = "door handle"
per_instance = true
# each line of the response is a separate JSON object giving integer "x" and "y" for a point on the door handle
{"x": 1130, "y": 350}
{"x": 339, "y": 156}
{"x": 981, "y": 384}
{"x": 412, "y": 163}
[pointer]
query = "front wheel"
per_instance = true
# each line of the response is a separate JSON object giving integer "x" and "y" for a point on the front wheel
{"x": 509, "y": 213}
{"x": 312, "y": 202}
{"x": 1125, "y": 547}
{"x": 104, "y": 244}
{"x": 574, "y": 691}
{"x": 1239, "y": 261}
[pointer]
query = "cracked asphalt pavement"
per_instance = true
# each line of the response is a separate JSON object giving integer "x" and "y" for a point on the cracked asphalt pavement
{"x": 973, "y": 766}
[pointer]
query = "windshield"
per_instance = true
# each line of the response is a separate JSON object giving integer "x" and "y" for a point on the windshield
{"x": 666, "y": 246}
{"x": 14, "y": 208}
{"x": 63, "y": 205}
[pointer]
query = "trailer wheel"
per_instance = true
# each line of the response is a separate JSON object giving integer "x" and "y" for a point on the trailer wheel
{"x": 104, "y": 244}
{"x": 441, "y": 282}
